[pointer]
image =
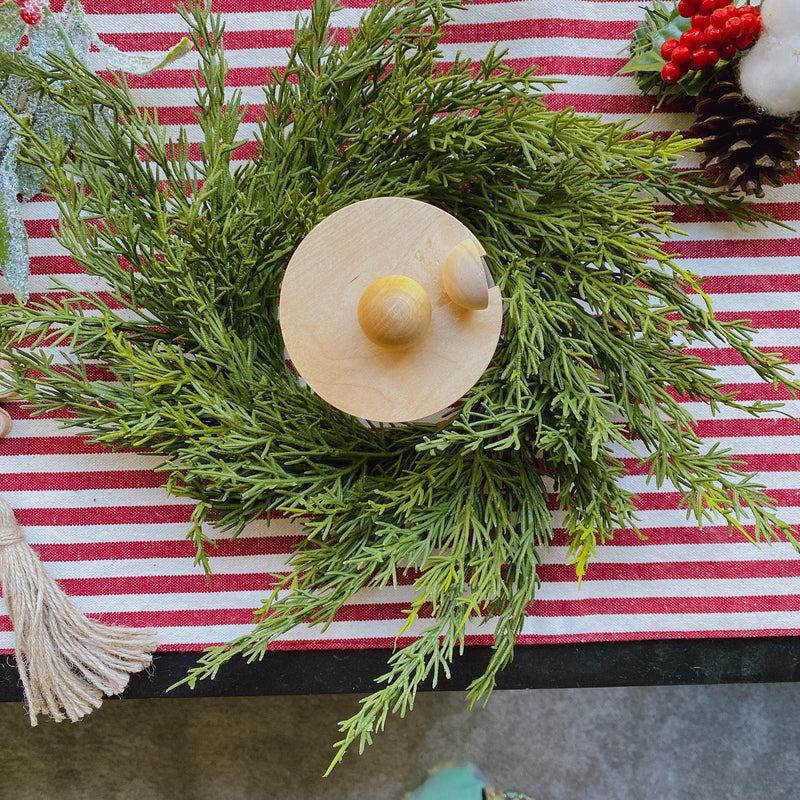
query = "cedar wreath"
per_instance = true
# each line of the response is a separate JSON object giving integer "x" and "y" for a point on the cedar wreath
{"x": 587, "y": 370}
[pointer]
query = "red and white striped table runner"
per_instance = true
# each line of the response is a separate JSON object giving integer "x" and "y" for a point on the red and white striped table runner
{"x": 115, "y": 540}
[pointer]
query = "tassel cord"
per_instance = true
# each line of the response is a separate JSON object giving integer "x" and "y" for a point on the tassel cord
{"x": 67, "y": 662}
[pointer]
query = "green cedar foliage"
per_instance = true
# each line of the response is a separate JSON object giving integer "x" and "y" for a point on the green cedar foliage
{"x": 193, "y": 248}
{"x": 67, "y": 33}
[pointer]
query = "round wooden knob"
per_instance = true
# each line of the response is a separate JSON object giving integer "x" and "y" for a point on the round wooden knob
{"x": 394, "y": 311}
{"x": 464, "y": 276}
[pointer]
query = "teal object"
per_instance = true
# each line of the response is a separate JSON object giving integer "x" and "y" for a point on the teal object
{"x": 462, "y": 782}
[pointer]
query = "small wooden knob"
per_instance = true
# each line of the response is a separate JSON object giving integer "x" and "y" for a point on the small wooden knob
{"x": 464, "y": 276}
{"x": 5, "y": 423}
{"x": 394, "y": 311}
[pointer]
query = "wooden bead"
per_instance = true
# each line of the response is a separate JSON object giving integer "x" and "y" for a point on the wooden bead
{"x": 5, "y": 423}
{"x": 394, "y": 311}
{"x": 464, "y": 276}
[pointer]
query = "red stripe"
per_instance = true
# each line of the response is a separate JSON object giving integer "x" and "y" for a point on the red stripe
{"x": 779, "y": 426}
{"x": 663, "y": 501}
{"x": 105, "y": 515}
{"x": 220, "y": 6}
{"x": 55, "y": 446}
{"x": 39, "y": 297}
{"x": 113, "y": 551}
{"x": 51, "y": 265}
{"x": 73, "y": 481}
{"x": 598, "y": 570}
{"x": 727, "y": 356}
{"x": 689, "y": 535}
{"x": 600, "y": 103}
{"x": 752, "y": 282}
{"x": 759, "y": 391}
{"x": 167, "y": 584}
{"x": 782, "y": 210}
{"x": 757, "y": 247}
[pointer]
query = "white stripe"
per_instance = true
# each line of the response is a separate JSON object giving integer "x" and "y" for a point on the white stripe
{"x": 730, "y": 232}
{"x": 702, "y": 411}
{"x": 150, "y": 567}
{"x": 84, "y": 498}
{"x": 152, "y": 532}
{"x": 771, "y": 480}
{"x": 664, "y": 519}
{"x": 108, "y": 461}
{"x": 744, "y": 445}
{"x": 675, "y": 587}
{"x": 655, "y": 623}
{"x": 713, "y": 266}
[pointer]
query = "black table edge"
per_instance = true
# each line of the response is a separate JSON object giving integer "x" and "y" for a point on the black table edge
{"x": 584, "y": 665}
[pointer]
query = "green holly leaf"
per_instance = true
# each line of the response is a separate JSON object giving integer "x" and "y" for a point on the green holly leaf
{"x": 132, "y": 63}
{"x": 647, "y": 61}
{"x": 661, "y": 23}
{"x": 137, "y": 64}
{"x": 14, "y": 258}
{"x": 11, "y": 27}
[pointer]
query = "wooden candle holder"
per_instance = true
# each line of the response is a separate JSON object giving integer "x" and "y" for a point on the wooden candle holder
{"x": 387, "y": 312}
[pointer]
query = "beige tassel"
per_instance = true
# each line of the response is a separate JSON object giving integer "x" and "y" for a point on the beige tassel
{"x": 66, "y": 661}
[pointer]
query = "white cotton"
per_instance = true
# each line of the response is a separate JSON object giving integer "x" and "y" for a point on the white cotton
{"x": 781, "y": 17}
{"x": 769, "y": 74}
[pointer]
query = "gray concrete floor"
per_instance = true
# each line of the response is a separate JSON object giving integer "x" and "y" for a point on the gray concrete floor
{"x": 737, "y": 742}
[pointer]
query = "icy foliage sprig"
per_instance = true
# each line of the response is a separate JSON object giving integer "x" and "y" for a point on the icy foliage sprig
{"x": 67, "y": 33}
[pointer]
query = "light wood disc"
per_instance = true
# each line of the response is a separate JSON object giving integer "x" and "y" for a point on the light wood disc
{"x": 319, "y": 300}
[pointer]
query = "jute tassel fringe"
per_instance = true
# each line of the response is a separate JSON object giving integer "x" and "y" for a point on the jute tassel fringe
{"x": 66, "y": 661}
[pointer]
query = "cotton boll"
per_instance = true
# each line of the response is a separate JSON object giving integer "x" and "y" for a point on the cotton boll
{"x": 781, "y": 17}
{"x": 769, "y": 75}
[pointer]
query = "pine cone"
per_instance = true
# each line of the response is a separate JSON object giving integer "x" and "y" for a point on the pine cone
{"x": 742, "y": 148}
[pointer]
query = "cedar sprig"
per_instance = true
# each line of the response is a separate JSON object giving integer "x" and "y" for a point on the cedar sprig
{"x": 192, "y": 254}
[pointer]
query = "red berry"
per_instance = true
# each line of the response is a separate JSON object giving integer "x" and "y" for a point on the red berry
{"x": 713, "y": 36}
{"x": 700, "y": 21}
{"x": 733, "y": 29}
{"x": 727, "y": 52}
{"x": 686, "y": 8}
{"x": 747, "y": 9}
{"x": 671, "y": 72}
{"x": 706, "y": 7}
{"x": 30, "y": 12}
{"x": 745, "y": 42}
{"x": 722, "y": 3}
{"x": 681, "y": 55}
{"x": 699, "y": 58}
{"x": 667, "y": 48}
{"x": 719, "y": 16}
{"x": 713, "y": 56}
{"x": 751, "y": 24}
{"x": 692, "y": 38}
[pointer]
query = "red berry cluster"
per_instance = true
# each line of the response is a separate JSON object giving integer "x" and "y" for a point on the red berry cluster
{"x": 719, "y": 30}
{"x": 30, "y": 11}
